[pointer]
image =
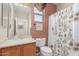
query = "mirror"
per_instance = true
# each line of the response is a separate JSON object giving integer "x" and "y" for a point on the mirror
{"x": 22, "y": 21}
{"x": 15, "y": 21}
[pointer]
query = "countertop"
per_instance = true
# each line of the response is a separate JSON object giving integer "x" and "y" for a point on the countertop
{"x": 15, "y": 42}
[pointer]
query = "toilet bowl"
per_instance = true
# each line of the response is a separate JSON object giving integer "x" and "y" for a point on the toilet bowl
{"x": 44, "y": 50}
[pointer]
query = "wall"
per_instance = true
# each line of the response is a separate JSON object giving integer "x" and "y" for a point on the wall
{"x": 61, "y": 6}
{"x": 50, "y": 9}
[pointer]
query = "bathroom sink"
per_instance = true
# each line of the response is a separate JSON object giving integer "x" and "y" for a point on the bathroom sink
{"x": 13, "y": 42}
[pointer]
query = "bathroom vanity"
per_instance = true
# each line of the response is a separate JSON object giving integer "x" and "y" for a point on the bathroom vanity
{"x": 19, "y": 47}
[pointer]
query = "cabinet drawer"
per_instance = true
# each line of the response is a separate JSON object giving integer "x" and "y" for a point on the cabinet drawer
{"x": 11, "y": 51}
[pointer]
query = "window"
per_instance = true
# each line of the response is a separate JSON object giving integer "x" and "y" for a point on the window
{"x": 38, "y": 15}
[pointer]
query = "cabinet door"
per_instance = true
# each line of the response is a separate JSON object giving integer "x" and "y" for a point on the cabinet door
{"x": 29, "y": 49}
{"x": 0, "y": 52}
{"x": 12, "y": 51}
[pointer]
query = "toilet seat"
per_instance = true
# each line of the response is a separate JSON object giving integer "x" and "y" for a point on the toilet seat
{"x": 46, "y": 49}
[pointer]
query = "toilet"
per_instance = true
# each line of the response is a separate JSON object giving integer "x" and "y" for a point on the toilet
{"x": 44, "y": 50}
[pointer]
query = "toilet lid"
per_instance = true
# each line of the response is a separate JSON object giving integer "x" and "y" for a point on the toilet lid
{"x": 46, "y": 49}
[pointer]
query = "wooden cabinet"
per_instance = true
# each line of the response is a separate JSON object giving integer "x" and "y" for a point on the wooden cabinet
{"x": 11, "y": 51}
{"x": 20, "y": 50}
{"x": 0, "y": 52}
{"x": 29, "y": 49}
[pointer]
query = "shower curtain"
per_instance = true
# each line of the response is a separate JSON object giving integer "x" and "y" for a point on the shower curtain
{"x": 64, "y": 26}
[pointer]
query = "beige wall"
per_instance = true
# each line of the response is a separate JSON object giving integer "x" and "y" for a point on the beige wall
{"x": 61, "y": 6}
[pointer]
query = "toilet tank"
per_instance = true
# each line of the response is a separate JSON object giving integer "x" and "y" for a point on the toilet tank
{"x": 40, "y": 42}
